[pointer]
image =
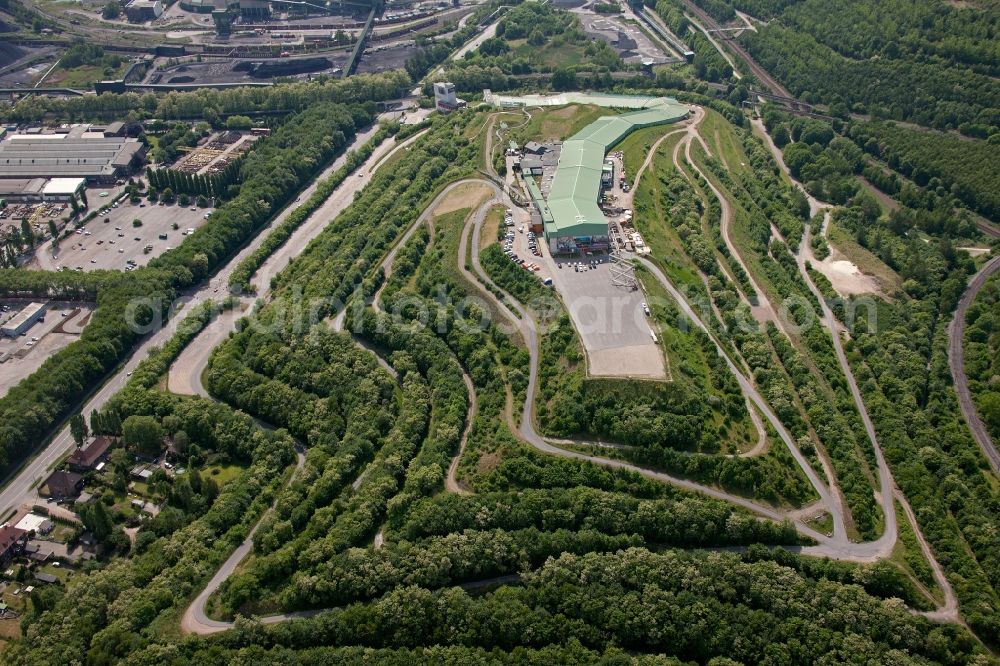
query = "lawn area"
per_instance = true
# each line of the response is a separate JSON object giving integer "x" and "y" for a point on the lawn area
{"x": 636, "y": 146}
{"x": 555, "y": 52}
{"x": 560, "y": 122}
{"x": 725, "y": 145}
{"x": 83, "y": 76}
{"x": 62, "y": 572}
{"x": 222, "y": 474}
{"x": 823, "y": 524}
{"x": 653, "y": 222}
{"x": 491, "y": 226}
{"x": 61, "y": 531}
{"x": 686, "y": 362}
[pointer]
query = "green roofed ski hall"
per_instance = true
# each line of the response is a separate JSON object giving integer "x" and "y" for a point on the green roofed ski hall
{"x": 572, "y": 217}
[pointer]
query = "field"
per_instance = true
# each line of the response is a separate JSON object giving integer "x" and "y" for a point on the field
{"x": 83, "y": 76}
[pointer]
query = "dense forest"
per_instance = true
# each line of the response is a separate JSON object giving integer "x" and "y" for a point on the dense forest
{"x": 928, "y": 63}
{"x": 556, "y": 525}
{"x": 208, "y": 104}
{"x": 535, "y": 39}
{"x": 982, "y": 354}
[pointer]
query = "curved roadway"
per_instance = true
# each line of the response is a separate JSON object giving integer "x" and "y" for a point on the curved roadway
{"x": 835, "y": 547}
{"x": 20, "y": 488}
{"x": 956, "y": 360}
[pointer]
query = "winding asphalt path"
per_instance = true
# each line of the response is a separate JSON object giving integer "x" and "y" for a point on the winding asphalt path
{"x": 20, "y": 488}
{"x": 185, "y": 376}
{"x": 526, "y": 325}
{"x": 956, "y": 359}
{"x": 835, "y": 547}
{"x": 195, "y": 620}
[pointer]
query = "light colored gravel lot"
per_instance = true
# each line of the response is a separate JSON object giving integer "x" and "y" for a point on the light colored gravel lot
{"x": 110, "y": 245}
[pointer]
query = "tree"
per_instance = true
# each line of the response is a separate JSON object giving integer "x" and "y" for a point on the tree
{"x": 181, "y": 441}
{"x": 27, "y": 235}
{"x": 120, "y": 461}
{"x": 111, "y": 11}
{"x": 238, "y": 123}
{"x": 144, "y": 434}
{"x": 167, "y": 195}
{"x": 564, "y": 79}
{"x": 96, "y": 518}
{"x": 780, "y": 136}
{"x": 989, "y": 407}
{"x": 78, "y": 428}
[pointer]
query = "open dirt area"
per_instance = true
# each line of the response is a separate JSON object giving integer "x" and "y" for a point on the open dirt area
{"x": 53, "y": 334}
{"x": 847, "y": 278}
{"x": 466, "y": 196}
{"x": 246, "y": 70}
{"x": 384, "y": 58}
{"x": 100, "y": 245}
{"x": 854, "y": 270}
{"x": 629, "y": 42}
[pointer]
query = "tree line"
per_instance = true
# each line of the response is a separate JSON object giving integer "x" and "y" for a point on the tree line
{"x": 283, "y": 163}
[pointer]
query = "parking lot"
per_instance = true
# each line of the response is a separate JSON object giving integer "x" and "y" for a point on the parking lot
{"x": 112, "y": 244}
{"x": 611, "y": 321}
{"x": 42, "y": 340}
{"x": 522, "y": 246}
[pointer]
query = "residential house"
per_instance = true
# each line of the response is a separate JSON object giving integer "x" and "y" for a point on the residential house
{"x": 62, "y": 485}
{"x": 12, "y": 541}
{"x": 87, "y": 458}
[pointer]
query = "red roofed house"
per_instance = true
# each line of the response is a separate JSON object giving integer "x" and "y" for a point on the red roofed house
{"x": 12, "y": 541}
{"x": 86, "y": 458}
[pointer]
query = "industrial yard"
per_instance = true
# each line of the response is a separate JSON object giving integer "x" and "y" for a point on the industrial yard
{"x": 25, "y": 352}
{"x": 215, "y": 153}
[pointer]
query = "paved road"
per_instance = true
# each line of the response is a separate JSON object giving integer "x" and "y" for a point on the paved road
{"x": 186, "y": 372}
{"x": 881, "y": 547}
{"x": 20, "y": 487}
{"x": 195, "y": 620}
{"x": 427, "y": 217}
{"x": 836, "y": 547}
{"x": 763, "y": 310}
{"x": 450, "y": 482}
{"x": 956, "y": 359}
{"x": 525, "y": 323}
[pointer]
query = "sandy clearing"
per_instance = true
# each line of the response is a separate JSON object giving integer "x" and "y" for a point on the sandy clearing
{"x": 466, "y": 196}
{"x": 846, "y": 278}
{"x": 637, "y": 361}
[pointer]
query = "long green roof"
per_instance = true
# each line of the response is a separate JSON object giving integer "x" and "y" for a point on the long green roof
{"x": 576, "y": 186}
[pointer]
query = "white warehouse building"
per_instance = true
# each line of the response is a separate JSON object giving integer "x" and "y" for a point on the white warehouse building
{"x": 23, "y": 320}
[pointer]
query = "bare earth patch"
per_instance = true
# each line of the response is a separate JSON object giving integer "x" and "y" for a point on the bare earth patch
{"x": 465, "y": 196}
{"x": 487, "y": 462}
{"x": 852, "y": 269}
{"x": 847, "y": 278}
